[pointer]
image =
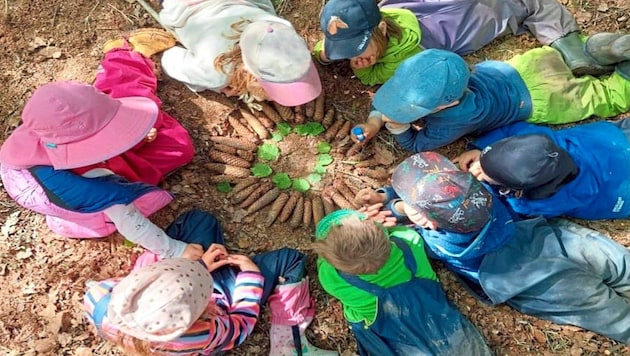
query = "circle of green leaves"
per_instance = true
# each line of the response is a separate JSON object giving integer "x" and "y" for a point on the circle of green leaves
{"x": 270, "y": 152}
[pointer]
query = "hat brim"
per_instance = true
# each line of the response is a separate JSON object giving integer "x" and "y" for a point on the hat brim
{"x": 390, "y": 99}
{"x": 295, "y": 93}
{"x": 131, "y": 124}
{"x": 337, "y": 49}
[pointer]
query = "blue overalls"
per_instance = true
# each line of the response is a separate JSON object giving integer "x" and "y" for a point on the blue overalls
{"x": 414, "y": 318}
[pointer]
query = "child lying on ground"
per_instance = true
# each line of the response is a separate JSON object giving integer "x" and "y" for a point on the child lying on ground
{"x": 239, "y": 48}
{"x": 531, "y": 265}
{"x": 453, "y": 100}
{"x": 390, "y": 294}
{"x": 377, "y": 38}
{"x": 582, "y": 171}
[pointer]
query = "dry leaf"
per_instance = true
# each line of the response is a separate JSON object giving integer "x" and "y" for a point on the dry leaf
{"x": 539, "y": 336}
{"x": 22, "y": 255}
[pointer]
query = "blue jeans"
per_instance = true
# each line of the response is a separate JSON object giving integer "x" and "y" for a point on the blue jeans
{"x": 203, "y": 228}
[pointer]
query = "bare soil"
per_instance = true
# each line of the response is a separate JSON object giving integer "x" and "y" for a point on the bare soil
{"x": 43, "y": 275}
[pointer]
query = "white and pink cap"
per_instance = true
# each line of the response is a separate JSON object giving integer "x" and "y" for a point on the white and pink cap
{"x": 281, "y": 61}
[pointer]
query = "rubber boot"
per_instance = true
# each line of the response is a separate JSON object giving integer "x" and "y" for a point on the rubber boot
{"x": 147, "y": 41}
{"x": 580, "y": 63}
{"x": 609, "y": 48}
{"x": 292, "y": 311}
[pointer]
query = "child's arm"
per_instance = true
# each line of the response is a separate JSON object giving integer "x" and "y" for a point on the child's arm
{"x": 127, "y": 73}
{"x": 136, "y": 228}
{"x": 429, "y": 137}
{"x": 320, "y": 54}
{"x": 237, "y": 325}
{"x": 378, "y": 73}
{"x": 365, "y": 132}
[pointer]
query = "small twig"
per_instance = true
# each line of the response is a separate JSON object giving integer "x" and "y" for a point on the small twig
{"x": 283, "y": 5}
{"x": 54, "y": 16}
{"x": 89, "y": 15}
{"x": 122, "y": 13}
{"x": 155, "y": 16}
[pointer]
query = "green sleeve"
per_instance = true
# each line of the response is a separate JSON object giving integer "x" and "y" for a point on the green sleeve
{"x": 317, "y": 51}
{"x": 385, "y": 67}
{"x": 376, "y": 74}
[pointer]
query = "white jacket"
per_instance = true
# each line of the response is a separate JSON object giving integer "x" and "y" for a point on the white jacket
{"x": 203, "y": 28}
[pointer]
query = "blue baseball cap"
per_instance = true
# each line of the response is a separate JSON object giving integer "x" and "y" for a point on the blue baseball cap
{"x": 348, "y": 25}
{"x": 421, "y": 83}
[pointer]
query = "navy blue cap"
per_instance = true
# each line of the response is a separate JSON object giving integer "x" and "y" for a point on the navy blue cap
{"x": 348, "y": 25}
{"x": 532, "y": 164}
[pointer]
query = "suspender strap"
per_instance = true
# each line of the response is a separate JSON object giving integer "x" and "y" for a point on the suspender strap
{"x": 410, "y": 263}
{"x": 100, "y": 309}
{"x": 410, "y": 260}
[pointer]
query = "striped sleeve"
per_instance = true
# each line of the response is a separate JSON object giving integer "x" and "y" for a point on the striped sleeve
{"x": 226, "y": 331}
{"x": 96, "y": 293}
{"x": 242, "y": 315}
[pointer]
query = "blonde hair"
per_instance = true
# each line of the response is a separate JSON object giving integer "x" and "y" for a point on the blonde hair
{"x": 240, "y": 79}
{"x": 381, "y": 40}
{"x": 355, "y": 246}
{"x": 133, "y": 346}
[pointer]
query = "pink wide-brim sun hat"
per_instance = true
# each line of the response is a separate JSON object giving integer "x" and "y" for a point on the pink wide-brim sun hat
{"x": 299, "y": 92}
{"x": 69, "y": 125}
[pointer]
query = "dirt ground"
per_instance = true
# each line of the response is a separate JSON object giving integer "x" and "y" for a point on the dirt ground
{"x": 43, "y": 275}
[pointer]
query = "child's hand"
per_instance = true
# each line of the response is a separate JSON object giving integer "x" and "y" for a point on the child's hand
{"x": 419, "y": 218}
{"x": 152, "y": 135}
{"x": 466, "y": 159}
{"x": 193, "y": 251}
{"x": 215, "y": 257}
{"x": 369, "y": 131}
{"x": 362, "y": 62}
{"x": 383, "y": 217}
{"x": 476, "y": 170}
{"x": 368, "y": 196}
{"x": 243, "y": 262}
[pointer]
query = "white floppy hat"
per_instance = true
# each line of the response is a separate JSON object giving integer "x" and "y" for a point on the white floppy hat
{"x": 159, "y": 302}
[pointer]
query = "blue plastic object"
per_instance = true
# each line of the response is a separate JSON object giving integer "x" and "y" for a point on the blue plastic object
{"x": 358, "y": 132}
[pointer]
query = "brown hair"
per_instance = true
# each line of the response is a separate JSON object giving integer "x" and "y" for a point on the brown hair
{"x": 355, "y": 246}
{"x": 239, "y": 78}
{"x": 381, "y": 41}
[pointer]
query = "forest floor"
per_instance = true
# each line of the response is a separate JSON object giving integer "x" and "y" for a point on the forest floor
{"x": 43, "y": 275}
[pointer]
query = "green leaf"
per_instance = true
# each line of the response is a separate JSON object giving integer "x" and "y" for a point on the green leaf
{"x": 301, "y": 130}
{"x": 268, "y": 152}
{"x": 315, "y": 128}
{"x": 301, "y": 185}
{"x": 281, "y": 180}
{"x": 324, "y": 159}
{"x": 323, "y": 147}
{"x": 314, "y": 178}
{"x": 310, "y": 128}
{"x": 283, "y": 128}
{"x": 261, "y": 170}
{"x": 277, "y": 136}
{"x": 224, "y": 187}
{"x": 319, "y": 169}
{"x": 128, "y": 243}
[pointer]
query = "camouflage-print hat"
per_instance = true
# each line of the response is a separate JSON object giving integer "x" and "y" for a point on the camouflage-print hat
{"x": 453, "y": 199}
